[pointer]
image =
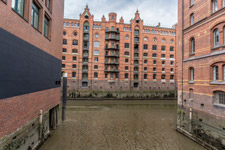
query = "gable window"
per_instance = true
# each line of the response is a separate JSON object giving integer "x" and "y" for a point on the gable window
{"x": 192, "y": 45}
{"x": 215, "y": 73}
{"x": 35, "y": 16}
{"x": 214, "y": 6}
{"x": 219, "y": 98}
{"x": 216, "y": 37}
{"x": 18, "y": 6}
{"x": 192, "y": 17}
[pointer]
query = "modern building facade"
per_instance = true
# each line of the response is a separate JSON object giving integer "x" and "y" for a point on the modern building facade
{"x": 30, "y": 70}
{"x": 201, "y": 71}
{"x": 110, "y": 55}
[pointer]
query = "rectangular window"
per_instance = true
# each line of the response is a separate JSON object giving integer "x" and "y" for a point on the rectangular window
{"x": 154, "y": 47}
{"x": 46, "y": 27}
{"x": 18, "y": 6}
{"x": 96, "y": 52}
{"x": 220, "y": 98}
{"x": 163, "y": 55}
{"x": 163, "y": 48}
{"x": 96, "y": 59}
{"x": 126, "y": 75}
{"x": 145, "y": 46}
{"x": 145, "y": 76}
{"x": 154, "y": 55}
{"x": 154, "y": 62}
{"x": 35, "y": 16}
{"x": 74, "y": 74}
{"x": 74, "y": 66}
{"x": 224, "y": 72}
{"x": 64, "y": 50}
{"x": 64, "y": 42}
{"x": 63, "y": 57}
{"x": 171, "y": 56}
{"x": 111, "y": 75}
{"x": 96, "y": 44}
{"x": 215, "y": 73}
{"x": 75, "y": 42}
{"x": 171, "y": 48}
{"x": 126, "y": 45}
{"x": 154, "y": 76}
{"x": 63, "y": 65}
{"x": 192, "y": 2}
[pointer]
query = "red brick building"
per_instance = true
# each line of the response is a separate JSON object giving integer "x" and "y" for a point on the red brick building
{"x": 30, "y": 70}
{"x": 111, "y": 55}
{"x": 201, "y": 71}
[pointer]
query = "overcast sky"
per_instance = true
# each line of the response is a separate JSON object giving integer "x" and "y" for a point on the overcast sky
{"x": 151, "y": 11}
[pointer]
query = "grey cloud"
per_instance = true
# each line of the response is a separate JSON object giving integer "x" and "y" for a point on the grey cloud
{"x": 151, "y": 11}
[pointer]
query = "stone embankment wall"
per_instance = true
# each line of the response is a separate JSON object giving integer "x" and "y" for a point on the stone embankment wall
{"x": 123, "y": 95}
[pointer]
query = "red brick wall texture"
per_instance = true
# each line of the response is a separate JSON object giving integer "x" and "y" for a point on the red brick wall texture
{"x": 19, "y": 110}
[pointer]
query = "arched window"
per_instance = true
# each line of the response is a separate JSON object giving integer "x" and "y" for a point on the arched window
{"x": 171, "y": 41}
{"x": 163, "y": 40}
{"x": 224, "y": 72}
{"x": 75, "y": 33}
{"x": 192, "y": 18}
{"x": 192, "y": 45}
{"x": 67, "y": 24}
{"x": 86, "y": 26}
{"x": 64, "y": 32}
{"x": 135, "y": 68}
{"x": 214, "y": 6}
{"x": 154, "y": 39}
{"x": 74, "y": 51}
{"x": 163, "y": 77}
{"x": 191, "y": 94}
{"x": 215, "y": 73}
{"x": 192, "y": 74}
{"x": 192, "y": 2}
{"x": 216, "y": 37}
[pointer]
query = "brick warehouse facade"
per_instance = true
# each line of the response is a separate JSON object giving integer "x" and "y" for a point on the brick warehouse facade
{"x": 30, "y": 70}
{"x": 201, "y": 71}
{"x": 112, "y": 56}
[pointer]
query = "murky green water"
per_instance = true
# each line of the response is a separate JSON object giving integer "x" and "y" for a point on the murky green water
{"x": 119, "y": 125}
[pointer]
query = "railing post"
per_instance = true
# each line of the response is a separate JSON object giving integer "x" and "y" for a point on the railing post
{"x": 64, "y": 96}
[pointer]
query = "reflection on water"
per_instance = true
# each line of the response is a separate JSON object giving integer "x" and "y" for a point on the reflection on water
{"x": 119, "y": 125}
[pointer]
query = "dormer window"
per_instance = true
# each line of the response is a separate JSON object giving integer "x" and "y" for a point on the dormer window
{"x": 137, "y": 21}
{"x": 86, "y": 15}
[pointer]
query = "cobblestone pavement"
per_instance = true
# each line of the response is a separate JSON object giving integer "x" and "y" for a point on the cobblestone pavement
{"x": 127, "y": 126}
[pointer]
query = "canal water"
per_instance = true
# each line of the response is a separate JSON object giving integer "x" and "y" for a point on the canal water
{"x": 119, "y": 125}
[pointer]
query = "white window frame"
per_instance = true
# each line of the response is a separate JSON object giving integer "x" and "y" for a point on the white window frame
{"x": 219, "y": 98}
